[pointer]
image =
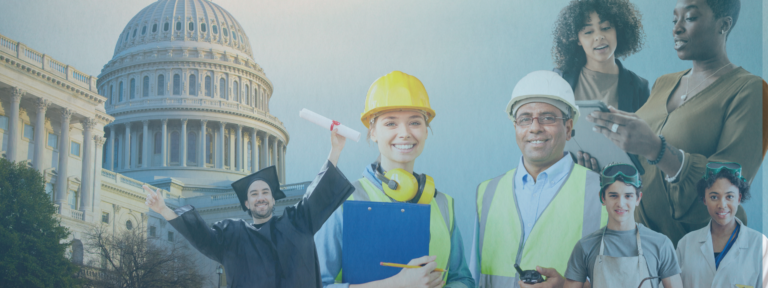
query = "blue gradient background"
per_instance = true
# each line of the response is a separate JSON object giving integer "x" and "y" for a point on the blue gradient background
{"x": 323, "y": 55}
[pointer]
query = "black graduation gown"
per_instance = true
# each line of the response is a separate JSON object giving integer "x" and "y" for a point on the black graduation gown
{"x": 279, "y": 254}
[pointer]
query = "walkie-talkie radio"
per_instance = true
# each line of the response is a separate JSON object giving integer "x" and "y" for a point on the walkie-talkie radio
{"x": 529, "y": 276}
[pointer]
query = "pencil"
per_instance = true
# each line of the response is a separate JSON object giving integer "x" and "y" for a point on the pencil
{"x": 405, "y": 266}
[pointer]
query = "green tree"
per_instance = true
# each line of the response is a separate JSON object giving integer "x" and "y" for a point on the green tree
{"x": 32, "y": 240}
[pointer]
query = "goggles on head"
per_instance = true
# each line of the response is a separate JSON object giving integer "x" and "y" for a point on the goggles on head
{"x": 611, "y": 172}
{"x": 713, "y": 168}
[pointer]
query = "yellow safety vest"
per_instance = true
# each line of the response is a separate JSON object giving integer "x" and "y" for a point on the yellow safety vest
{"x": 573, "y": 213}
{"x": 440, "y": 226}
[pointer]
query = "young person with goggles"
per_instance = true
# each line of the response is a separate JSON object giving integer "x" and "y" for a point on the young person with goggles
{"x": 397, "y": 114}
{"x": 725, "y": 253}
{"x": 711, "y": 112}
{"x": 623, "y": 253}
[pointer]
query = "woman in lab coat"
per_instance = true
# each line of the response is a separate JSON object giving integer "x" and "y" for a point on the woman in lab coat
{"x": 725, "y": 253}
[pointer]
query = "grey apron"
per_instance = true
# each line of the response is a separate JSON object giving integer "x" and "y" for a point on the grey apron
{"x": 613, "y": 272}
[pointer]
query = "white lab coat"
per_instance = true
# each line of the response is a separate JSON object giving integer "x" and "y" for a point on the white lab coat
{"x": 745, "y": 264}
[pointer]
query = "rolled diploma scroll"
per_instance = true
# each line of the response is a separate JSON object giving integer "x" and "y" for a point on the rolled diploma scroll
{"x": 326, "y": 123}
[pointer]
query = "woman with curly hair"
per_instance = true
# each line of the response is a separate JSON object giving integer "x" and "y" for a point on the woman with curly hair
{"x": 590, "y": 36}
{"x": 711, "y": 112}
{"x": 725, "y": 253}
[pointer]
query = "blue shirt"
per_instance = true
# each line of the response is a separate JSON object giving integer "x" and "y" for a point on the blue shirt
{"x": 328, "y": 243}
{"x": 532, "y": 197}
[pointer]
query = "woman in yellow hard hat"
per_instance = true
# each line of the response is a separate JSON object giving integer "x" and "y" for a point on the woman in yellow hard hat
{"x": 397, "y": 114}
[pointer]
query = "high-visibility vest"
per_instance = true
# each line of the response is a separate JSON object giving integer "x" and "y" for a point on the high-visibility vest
{"x": 573, "y": 213}
{"x": 440, "y": 220}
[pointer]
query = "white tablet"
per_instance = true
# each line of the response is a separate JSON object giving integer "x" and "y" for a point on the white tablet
{"x": 598, "y": 146}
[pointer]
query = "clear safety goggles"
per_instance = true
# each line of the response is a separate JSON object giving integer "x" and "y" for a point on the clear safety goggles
{"x": 715, "y": 167}
{"x": 627, "y": 172}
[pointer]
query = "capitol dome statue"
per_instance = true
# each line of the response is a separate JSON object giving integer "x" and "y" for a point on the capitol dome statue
{"x": 191, "y": 105}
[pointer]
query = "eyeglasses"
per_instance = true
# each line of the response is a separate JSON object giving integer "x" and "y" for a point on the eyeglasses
{"x": 611, "y": 172}
{"x": 713, "y": 168}
{"x": 543, "y": 120}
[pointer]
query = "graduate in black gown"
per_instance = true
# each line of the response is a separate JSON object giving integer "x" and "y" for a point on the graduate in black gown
{"x": 273, "y": 251}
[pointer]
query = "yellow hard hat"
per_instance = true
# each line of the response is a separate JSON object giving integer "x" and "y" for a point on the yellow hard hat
{"x": 394, "y": 91}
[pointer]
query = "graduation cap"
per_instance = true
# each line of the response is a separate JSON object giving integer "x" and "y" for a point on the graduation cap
{"x": 268, "y": 175}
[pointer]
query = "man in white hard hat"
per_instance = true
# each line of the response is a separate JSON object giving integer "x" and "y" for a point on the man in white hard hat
{"x": 534, "y": 214}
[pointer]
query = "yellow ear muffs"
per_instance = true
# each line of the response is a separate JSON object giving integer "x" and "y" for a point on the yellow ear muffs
{"x": 405, "y": 187}
{"x": 426, "y": 189}
{"x": 400, "y": 185}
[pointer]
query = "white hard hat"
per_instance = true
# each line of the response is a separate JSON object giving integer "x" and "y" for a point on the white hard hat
{"x": 547, "y": 85}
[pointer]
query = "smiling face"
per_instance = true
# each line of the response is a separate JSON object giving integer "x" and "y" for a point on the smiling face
{"x": 542, "y": 145}
{"x": 696, "y": 32}
{"x": 722, "y": 200}
{"x": 620, "y": 199}
{"x": 260, "y": 201}
{"x": 400, "y": 136}
{"x": 598, "y": 38}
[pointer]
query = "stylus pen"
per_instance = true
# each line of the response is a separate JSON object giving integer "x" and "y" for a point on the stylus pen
{"x": 405, "y": 266}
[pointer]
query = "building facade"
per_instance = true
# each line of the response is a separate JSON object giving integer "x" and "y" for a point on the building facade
{"x": 182, "y": 106}
{"x": 189, "y": 101}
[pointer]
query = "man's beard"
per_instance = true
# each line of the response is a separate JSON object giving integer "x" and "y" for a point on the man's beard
{"x": 268, "y": 213}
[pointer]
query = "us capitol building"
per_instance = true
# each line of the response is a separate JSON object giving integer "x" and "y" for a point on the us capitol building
{"x": 181, "y": 106}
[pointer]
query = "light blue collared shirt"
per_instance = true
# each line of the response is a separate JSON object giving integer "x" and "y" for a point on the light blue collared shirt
{"x": 329, "y": 248}
{"x": 532, "y": 198}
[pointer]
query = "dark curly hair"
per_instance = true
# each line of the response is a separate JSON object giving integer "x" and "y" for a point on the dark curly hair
{"x": 724, "y": 8}
{"x": 622, "y": 15}
{"x": 704, "y": 184}
{"x": 621, "y": 179}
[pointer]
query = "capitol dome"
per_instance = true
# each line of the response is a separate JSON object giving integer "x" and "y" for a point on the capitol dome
{"x": 188, "y": 23}
{"x": 191, "y": 105}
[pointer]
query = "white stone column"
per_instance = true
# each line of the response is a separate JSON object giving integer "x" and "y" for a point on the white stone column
{"x": 127, "y": 147}
{"x": 277, "y": 160}
{"x": 42, "y": 107}
{"x": 254, "y": 152}
{"x": 13, "y": 125}
{"x": 202, "y": 161}
{"x": 97, "y": 176}
{"x": 61, "y": 171}
{"x": 263, "y": 151}
{"x": 282, "y": 161}
{"x": 164, "y": 148}
{"x": 145, "y": 159}
{"x": 239, "y": 148}
{"x": 87, "y": 164}
{"x": 183, "y": 142}
{"x": 274, "y": 150}
{"x": 220, "y": 148}
{"x": 111, "y": 150}
{"x": 278, "y": 147}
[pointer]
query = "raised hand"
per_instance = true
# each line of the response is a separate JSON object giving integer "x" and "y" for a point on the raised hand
{"x": 156, "y": 202}
{"x": 337, "y": 144}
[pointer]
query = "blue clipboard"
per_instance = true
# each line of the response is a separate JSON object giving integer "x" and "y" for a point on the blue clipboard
{"x": 377, "y": 232}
